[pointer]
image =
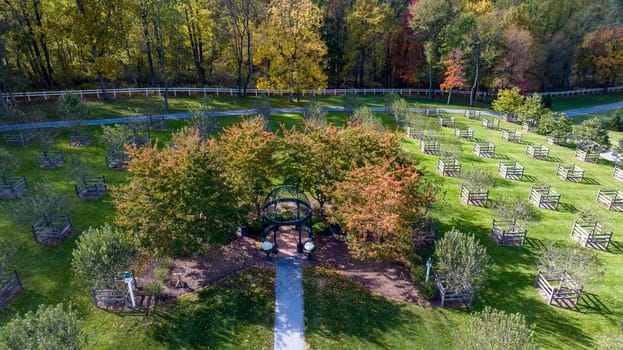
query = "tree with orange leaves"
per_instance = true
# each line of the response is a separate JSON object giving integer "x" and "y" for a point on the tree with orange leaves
{"x": 376, "y": 205}
{"x": 455, "y": 75}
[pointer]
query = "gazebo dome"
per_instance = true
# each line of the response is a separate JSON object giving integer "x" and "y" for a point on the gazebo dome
{"x": 286, "y": 205}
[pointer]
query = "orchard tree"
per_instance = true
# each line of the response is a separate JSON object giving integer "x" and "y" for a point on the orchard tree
{"x": 516, "y": 209}
{"x": 508, "y": 101}
{"x": 7, "y": 253}
{"x": 531, "y": 109}
{"x": 461, "y": 261}
{"x": 41, "y": 200}
{"x": 376, "y": 206}
{"x": 9, "y": 162}
{"x": 73, "y": 110}
{"x": 429, "y": 17}
{"x": 50, "y": 327}
{"x": 313, "y": 112}
{"x": 245, "y": 152}
{"x": 455, "y": 74}
{"x": 592, "y": 136}
{"x": 616, "y": 120}
{"x": 555, "y": 124}
{"x": 580, "y": 264}
{"x": 290, "y": 48}
{"x": 101, "y": 255}
{"x": 496, "y": 330}
{"x": 178, "y": 199}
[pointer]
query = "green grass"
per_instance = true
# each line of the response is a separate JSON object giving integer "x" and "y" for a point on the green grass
{"x": 577, "y": 102}
{"x": 340, "y": 314}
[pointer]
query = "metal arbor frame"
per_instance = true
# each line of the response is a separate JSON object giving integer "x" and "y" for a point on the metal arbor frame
{"x": 287, "y": 206}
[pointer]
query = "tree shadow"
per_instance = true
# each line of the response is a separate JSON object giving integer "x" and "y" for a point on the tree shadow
{"x": 590, "y": 181}
{"x": 501, "y": 156}
{"x": 335, "y": 308}
{"x": 222, "y": 315}
{"x": 554, "y": 159}
{"x": 567, "y": 207}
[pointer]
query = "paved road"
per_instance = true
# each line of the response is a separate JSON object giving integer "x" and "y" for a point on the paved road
{"x": 289, "y": 325}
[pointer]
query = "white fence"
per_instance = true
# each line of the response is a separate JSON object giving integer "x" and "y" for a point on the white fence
{"x": 193, "y": 91}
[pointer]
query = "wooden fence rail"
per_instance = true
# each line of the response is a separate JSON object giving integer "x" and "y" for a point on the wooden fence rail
{"x": 611, "y": 199}
{"x": 218, "y": 91}
{"x": 591, "y": 234}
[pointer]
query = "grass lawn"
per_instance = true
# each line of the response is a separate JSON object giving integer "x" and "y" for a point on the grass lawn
{"x": 238, "y": 312}
{"x": 123, "y": 107}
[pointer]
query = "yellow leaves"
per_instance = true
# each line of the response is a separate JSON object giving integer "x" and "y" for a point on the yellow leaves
{"x": 478, "y": 7}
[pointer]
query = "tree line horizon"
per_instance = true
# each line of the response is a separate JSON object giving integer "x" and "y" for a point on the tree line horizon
{"x": 480, "y": 45}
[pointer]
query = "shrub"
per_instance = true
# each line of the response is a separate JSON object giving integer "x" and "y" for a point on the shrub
{"x": 508, "y": 101}
{"x": 50, "y": 327}
{"x": 493, "y": 329}
{"x": 153, "y": 289}
{"x": 461, "y": 260}
{"x": 101, "y": 254}
{"x": 428, "y": 290}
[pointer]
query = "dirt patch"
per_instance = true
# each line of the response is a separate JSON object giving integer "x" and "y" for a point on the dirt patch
{"x": 391, "y": 280}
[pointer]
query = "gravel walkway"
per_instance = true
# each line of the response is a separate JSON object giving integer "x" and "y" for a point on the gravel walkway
{"x": 289, "y": 325}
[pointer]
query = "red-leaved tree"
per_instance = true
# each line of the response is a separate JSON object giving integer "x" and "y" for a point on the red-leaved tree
{"x": 376, "y": 205}
{"x": 455, "y": 74}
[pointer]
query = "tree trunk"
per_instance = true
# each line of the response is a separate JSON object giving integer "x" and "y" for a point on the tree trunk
{"x": 131, "y": 65}
{"x": 449, "y": 96}
{"x": 430, "y": 79}
{"x": 100, "y": 77}
{"x": 472, "y": 94}
{"x": 150, "y": 60}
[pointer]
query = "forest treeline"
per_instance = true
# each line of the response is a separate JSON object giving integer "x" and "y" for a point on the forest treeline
{"x": 300, "y": 44}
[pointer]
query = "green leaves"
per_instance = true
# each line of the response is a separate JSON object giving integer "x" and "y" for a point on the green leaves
{"x": 592, "y": 135}
{"x": 496, "y": 330}
{"x": 461, "y": 260}
{"x": 50, "y": 327}
{"x": 101, "y": 255}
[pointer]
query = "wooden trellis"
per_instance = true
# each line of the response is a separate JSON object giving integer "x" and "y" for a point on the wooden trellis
{"x": 508, "y": 233}
{"x": 565, "y": 294}
{"x": 18, "y": 139}
{"x": 491, "y": 124}
{"x": 510, "y": 170}
{"x": 117, "y": 160}
{"x": 591, "y": 234}
{"x": 13, "y": 186}
{"x": 556, "y": 140}
{"x": 448, "y": 166}
{"x": 512, "y": 136}
{"x": 471, "y": 114}
{"x": 432, "y": 112}
{"x": 91, "y": 187}
{"x": 446, "y": 122}
{"x": 570, "y": 172}
{"x": 156, "y": 122}
{"x": 611, "y": 199}
{"x": 81, "y": 139}
{"x": 484, "y": 149}
{"x": 448, "y": 294}
{"x": 52, "y": 229}
{"x": 537, "y": 152}
{"x": 544, "y": 197}
{"x": 50, "y": 160}
{"x": 464, "y": 133}
{"x": 589, "y": 157}
{"x": 510, "y": 117}
{"x": 415, "y": 133}
{"x": 618, "y": 173}
{"x": 430, "y": 145}
{"x": 474, "y": 195}
{"x": 10, "y": 285}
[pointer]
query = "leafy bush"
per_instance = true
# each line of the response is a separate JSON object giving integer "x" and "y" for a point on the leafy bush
{"x": 152, "y": 289}
{"x": 101, "y": 254}
{"x": 320, "y": 227}
{"x": 508, "y": 101}
{"x": 50, "y": 327}
{"x": 493, "y": 329}
{"x": 461, "y": 260}
{"x": 161, "y": 273}
{"x": 428, "y": 290}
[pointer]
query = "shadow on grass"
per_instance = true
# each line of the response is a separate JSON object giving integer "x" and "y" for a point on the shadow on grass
{"x": 554, "y": 159}
{"x": 501, "y": 156}
{"x": 567, "y": 207}
{"x": 528, "y": 178}
{"x": 337, "y": 309}
{"x": 235, "y": 311}
{"x": 590, "y": 181}
{"x": 615, "y": 248}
